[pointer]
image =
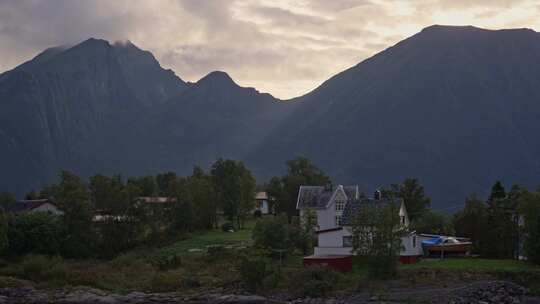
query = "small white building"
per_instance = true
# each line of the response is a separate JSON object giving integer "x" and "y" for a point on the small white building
{"x": 262, "y": 203}
{"x": 32, "y": 206}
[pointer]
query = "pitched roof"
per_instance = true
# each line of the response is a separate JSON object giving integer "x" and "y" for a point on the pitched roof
{"x": 27, "y": 205}
{"x": 261, "y": 196}
{"x": 318, "y": 197}
{"x": 354, "y": 207}
{"x": 156, "y": 199}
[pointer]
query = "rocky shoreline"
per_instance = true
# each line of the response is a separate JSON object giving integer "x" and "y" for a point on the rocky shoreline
{"x": 479, "y": 292}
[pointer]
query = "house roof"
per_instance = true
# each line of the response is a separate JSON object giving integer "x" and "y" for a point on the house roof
{"x": 328, "y": 230}
{"x": 354, "y": 207}
{"x": 156, "y": 199}
{"x": 261, "y": 196}
{"x": 27, "y": 205}
{"x": 318, "y": 197}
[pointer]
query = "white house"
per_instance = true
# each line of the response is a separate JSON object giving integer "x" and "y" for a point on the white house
{"x": 327, "y": 202}
{"x": 261, "y": 202}
{"x": 335, "y": 210}
{"x": 32, "y": 206}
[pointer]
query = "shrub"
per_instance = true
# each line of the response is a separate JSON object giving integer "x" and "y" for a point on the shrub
{"x": 252, "y": 272}
{"x": 34, "y": 233}
{"x": 383, "y": 267}
{"x": 166, "y": 261}
{"x": 272, "y": 233}
{"x": 33, "y": 267}
{"x": 166, "y": 281}
{"x": 272, "y": 280}
{"x": 315, "y": 281}
{"x": 226, "y": 227}
{"x": 126, "y": 260}
{"x": 257, "y": 213}
{"x": 216, "y": 252}
{"x": 42, "y": 268}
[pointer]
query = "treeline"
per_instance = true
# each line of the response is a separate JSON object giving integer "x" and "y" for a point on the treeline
{"x": 499, "y": 226}
{"x": 107, "y": 214}
{"x": 503, "y": 226}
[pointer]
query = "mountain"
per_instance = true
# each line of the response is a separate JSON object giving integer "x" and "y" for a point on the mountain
{"x": 213, "y": 118}
{"x": 108, "y": 108}
{"x": 54, "y": 107}
{"x": 458, "y": 107}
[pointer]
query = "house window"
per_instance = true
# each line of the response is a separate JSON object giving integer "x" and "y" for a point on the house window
{"x": 403, "y": 220}
{"x": 340, "y": 205}
{"x": 338, "y": 220}
{"x": 347, "y": 241}
{"x": 414, "y": 241}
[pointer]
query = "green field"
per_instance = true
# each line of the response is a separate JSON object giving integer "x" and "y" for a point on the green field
{"x": 198, "y": 242}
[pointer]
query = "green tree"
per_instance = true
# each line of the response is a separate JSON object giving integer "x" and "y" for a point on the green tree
{"x": 111, "y": 199}
{"x": 412, "y": 193}
{"x": 200, "y": 191}
{"x": 377, "y": 233}
{"x": 74, "y": 200}
{"x": 471, "y": 221}
{"x": 433, "y": 223}
{"x": 235, "y": 189}
{"x": 284, "y": 190}
{"x": 4, "y": 241}
{"x": 501, "y": 237}
{"x": 530, "y": 210}
{"x": 166, "y": 183}
{"x": 147, "y": 185}
{"x": 7, "y": 200}
{"x": 497, "y": 192}
{"x": 272, "y": 233}
{"x": 34, "y": 233}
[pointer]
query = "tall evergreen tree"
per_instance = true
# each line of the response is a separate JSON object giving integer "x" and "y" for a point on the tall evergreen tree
{"x": 471, "y": 222}
{"x": 412, "y": 193}
{"x": 300, "y": 171}
{"x": 497, "y": 192}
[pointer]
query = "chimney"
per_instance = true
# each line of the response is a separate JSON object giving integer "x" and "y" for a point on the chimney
{"x": 377, "y": 195}
{"x": 328, "y": 187}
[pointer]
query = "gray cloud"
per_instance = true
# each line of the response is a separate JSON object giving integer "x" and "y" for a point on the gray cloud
{"x": 285, "y": 47}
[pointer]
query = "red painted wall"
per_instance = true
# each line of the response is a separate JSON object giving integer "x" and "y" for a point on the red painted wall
{"x": 342, "y": 264}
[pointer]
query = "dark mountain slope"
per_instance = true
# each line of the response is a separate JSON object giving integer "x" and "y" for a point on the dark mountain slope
{"x": 456, "y": 106}
{"x": 54, "y": 107}
{"x": 213, "y": 118}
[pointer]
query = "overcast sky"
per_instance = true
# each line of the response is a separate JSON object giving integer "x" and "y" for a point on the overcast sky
{"x": 284, "y": 47}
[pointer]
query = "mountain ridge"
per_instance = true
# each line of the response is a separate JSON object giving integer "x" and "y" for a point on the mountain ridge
{"x": 455, "y": 106}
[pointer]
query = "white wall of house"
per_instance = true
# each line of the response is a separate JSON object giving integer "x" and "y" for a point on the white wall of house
{"x": 332, "y": 243}
{"x": 262, "y": 205}
{"x": 412, "y": 245}
{"x": 47, "y": 207}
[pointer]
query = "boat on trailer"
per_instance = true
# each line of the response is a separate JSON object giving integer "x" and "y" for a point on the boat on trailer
{"x": 447, "y": 245}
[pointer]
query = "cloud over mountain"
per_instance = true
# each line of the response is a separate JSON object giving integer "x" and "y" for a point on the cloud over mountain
{"x": 284, "y": 47}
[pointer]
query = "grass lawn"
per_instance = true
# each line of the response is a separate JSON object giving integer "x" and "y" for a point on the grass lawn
{"x": 472, "y": 264}
{"x": 199, "y": 241}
